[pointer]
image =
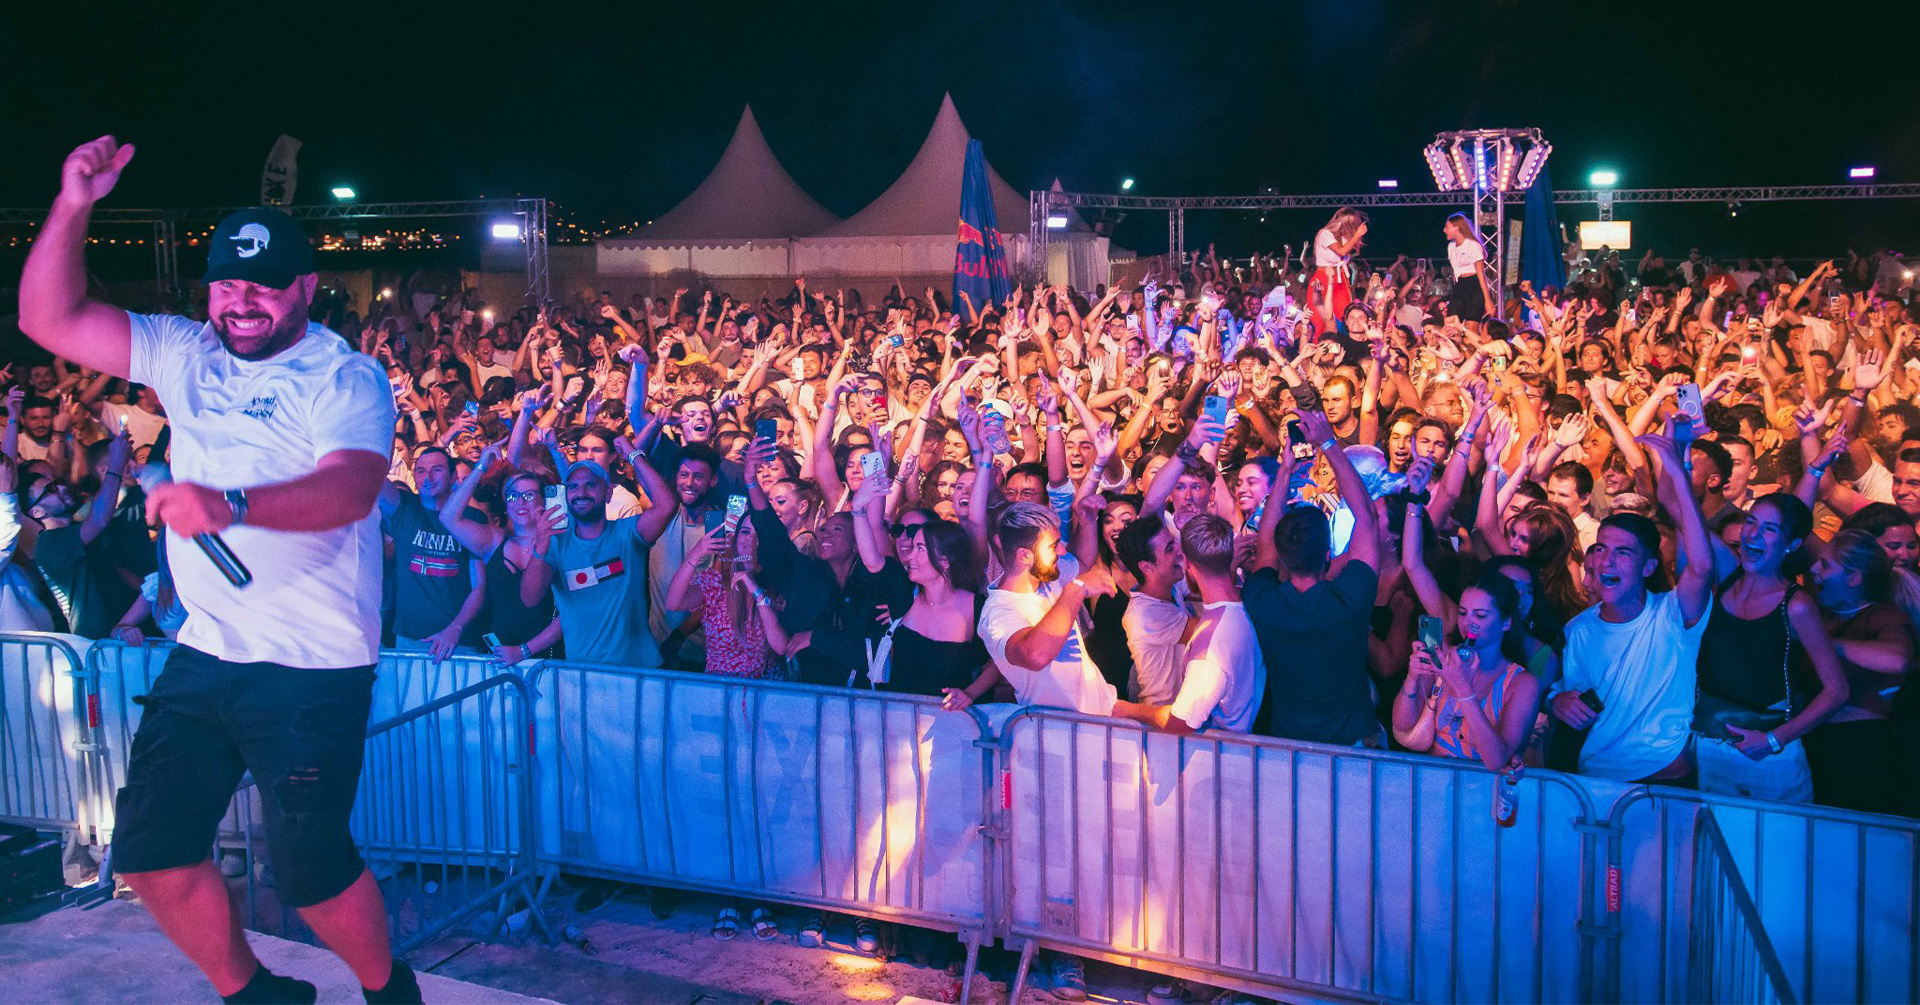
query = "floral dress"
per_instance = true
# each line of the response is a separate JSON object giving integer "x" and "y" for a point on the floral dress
{"x": 732, "y": 651}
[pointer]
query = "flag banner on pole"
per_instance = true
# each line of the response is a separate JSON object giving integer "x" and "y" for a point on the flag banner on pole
{"x": 979, "y": 258}
{"x": 279, "y": 176}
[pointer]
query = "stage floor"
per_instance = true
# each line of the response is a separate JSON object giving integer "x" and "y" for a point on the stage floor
{"x": 113, "y": 953}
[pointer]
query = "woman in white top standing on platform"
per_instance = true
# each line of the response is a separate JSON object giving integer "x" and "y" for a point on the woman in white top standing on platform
{"x": 1471, "y": 294}
{"x": 1333, "y": 247}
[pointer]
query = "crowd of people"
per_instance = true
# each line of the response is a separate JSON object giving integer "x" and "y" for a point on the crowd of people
{"x": 1658, "y": 526}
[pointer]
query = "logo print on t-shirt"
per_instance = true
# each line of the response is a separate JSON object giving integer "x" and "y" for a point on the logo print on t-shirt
{"x": 580, "y": 579}
{"x": 252, "y": 240}
{"x": 261, "y": 407}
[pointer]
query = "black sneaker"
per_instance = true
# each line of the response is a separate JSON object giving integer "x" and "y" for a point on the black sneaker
{"x": 595, "y": 896}
{"x": 269, "y": 988}
{"x": 402, "y": 988}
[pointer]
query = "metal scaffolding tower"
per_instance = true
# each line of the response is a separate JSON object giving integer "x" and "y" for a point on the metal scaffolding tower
{"x": 1044, "y": 201}
{"x": 531, "y": 214}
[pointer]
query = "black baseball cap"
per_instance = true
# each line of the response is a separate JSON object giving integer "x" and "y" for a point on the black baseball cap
{"x": 261, "y": 245}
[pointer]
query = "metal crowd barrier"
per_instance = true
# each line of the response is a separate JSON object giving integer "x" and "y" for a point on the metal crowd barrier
{"x": 443, "y": 818}
{"x": 1729, "y": 958}
{"x": 1248, "y": 862}
{"x": 43, "y": 743}
{"x": 120, "y": 674}
{"x": 853, "y": 801}
{"x": 1284, "y": 868}
{"x": 1837, "y": 894}
{"x": 445, "y": 812}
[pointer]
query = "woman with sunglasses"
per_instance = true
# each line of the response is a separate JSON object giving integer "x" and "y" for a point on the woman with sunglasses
{"x": 519, "y": 611}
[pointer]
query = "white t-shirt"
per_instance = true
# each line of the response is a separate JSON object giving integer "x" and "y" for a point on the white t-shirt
{"x": 142, "y": 426}
{"x": 1324, "y": 257}
{"x": 1820, "y": 334}
{"x": 1155, "y": 631}
{"x": 1465, "y": 257}
{"x": 315, "y": 597}
{"x": 1876, "y": 483}
{"x": 484, "y": 371}
{"x": 1071, "y": 680}
{"x": 1586, "y": 528}
{"x": 31, "y": 450}
{"x": 1643, "y": 671}
{"x": 1225, "y": 677}
{"x": 622, "y": 503}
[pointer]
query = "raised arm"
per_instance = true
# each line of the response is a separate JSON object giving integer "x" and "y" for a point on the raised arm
{"x": 479, "y": 538}
{"x": 1365, "y": 544}
{"x": 1413, "y": 553}
{"x": 55, "y": 310}
{"x": 1695, "y": 586}
{"x": 104, "y": 501}
{"x": 666, "y": 502}
{"x": 1266, "y": 554}
{"x": 1035, "y": 647}
{"x": 340, "y": 490}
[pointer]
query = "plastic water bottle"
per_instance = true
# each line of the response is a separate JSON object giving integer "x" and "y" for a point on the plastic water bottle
{"x": 1506, "y": 795}
{"x": 516, "y": 924}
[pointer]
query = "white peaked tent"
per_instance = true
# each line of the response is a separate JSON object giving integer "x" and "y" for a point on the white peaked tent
{"x": 911, "y": 228}
{"x": 1076, "y": 255}
{"x": 925, "y": 199}
{"x": 737, "y": 222}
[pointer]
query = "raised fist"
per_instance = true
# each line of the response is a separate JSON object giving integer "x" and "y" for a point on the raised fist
{"x": 92, "y": 169}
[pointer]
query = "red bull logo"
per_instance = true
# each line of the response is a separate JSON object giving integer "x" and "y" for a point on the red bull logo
{"x": 970, "y": 234}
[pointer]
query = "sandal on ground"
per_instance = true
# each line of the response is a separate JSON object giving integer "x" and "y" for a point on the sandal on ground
{"x": 813, "y": 931}
{"x": 727, "y": 925}
{"x": 764, "y": 927}
{"x": 1069, "y": 978}
{"x": 1168, "y": 992}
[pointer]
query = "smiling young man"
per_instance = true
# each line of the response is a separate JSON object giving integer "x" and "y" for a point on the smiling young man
{"x": 280, "y": 443}
{"x": 1636, "y": 651}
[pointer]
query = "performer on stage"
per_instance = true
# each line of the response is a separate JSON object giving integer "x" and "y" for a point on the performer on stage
{"x": 1332, "y": 288}
{"x": 1471, "y": 294}
{"x": 281, "y": 433}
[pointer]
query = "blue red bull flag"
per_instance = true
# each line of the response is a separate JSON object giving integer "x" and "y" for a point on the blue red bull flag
{"x": 979, "y": 259}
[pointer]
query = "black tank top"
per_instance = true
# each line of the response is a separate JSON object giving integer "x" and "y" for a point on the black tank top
{"x": 1750, "y": 661}
{"x": 1107, "y": 643}
{"x": 513, "y": 621}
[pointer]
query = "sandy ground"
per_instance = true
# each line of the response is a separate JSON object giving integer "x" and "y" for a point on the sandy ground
{"x": 114, "y": 953}
{"x": 639, "y": 958}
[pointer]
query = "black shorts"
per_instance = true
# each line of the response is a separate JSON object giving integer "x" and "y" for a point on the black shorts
{"x": 300, "y": 732}
{"x": 1468, "y": 302}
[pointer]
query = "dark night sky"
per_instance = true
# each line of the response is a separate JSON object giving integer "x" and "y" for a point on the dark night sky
{"x": 618, "y": 115}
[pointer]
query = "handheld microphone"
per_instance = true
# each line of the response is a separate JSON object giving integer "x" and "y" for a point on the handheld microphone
{"x": 224, "y": 559}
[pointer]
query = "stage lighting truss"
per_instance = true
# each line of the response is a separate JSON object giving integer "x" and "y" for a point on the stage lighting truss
{"x": 1487, "y": 160}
